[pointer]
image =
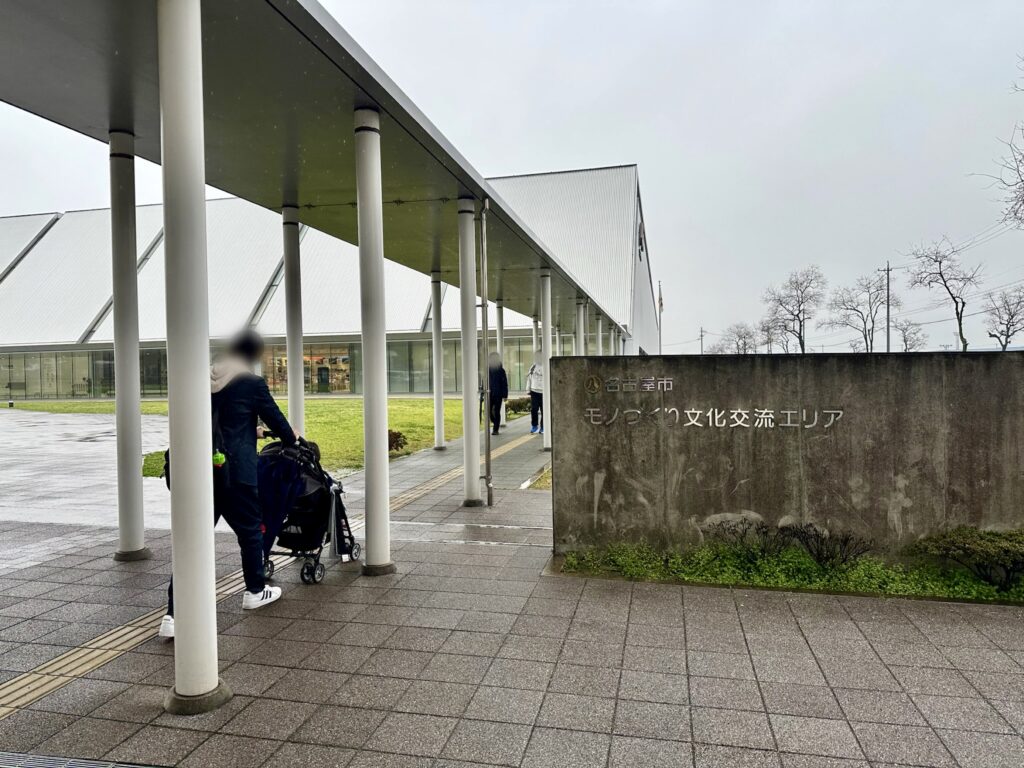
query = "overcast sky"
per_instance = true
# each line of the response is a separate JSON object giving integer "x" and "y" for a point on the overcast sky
{"x": 769, "y": 135}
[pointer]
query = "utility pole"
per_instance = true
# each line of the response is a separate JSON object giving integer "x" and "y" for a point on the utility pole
{"x": 661, "y": 311}
{"x": 888, "y": 306}
{"x": 702, "y": 339}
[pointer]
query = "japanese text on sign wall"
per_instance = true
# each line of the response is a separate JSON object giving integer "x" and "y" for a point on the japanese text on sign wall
{"x": 715, "y": 418}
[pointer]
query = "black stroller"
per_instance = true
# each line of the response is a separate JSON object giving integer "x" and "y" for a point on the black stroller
{"x": 299, "y": 501}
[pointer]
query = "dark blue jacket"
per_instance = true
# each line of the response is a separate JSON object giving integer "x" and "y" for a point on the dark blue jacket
{"x": 237, "y": 406}
{"x": 498, "y": 384}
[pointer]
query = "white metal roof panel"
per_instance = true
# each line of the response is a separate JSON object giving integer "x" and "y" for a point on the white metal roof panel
{"x": 16, "y": 232}
{"x": 63, "y": 282}
{"x": 330, "y": 292}
{"x": 587, "y": 219}
{"x": 244, "y": 244}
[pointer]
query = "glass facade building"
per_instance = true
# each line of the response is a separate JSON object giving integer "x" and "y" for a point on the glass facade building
{"x": 331, "y": 368}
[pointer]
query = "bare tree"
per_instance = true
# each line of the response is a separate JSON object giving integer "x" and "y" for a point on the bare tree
{"x": 740, "y": 339}
{"x": 1011, "y": 171}
{"x": 795, "y": 303}
{"x": 938, "y": 266}
{"x": 858, "y": 307}
{"x": 912, "y": 336}
{"x": 1011, "y": 178}
{"x": 1004, "y": 312}
{"x": 771, "y": 334}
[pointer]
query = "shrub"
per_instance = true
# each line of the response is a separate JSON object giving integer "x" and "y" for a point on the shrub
{"x": 635, "y": 561}
{"x": 831, "y": 550}
{"x": 396, "y": 440}
{"x": 517, "y": 405}
{"x": 588, "y": 561}
{"x": 753, "y": 539}
{"x": 995, "y": 557}
{"x": 792, "y": 568}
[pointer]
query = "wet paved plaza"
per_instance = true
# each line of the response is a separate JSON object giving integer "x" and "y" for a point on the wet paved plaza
{"x": 471, "y": 656}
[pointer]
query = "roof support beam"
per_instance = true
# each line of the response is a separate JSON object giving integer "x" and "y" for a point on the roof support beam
{"x": 374, "y": 343}
{"x": 101, "y": 316}
{"x": 131, "y": 540}
{"x": 545, "y": 352}
{"x": 499, "y": 325}
{"x": 293, "y": 319}
{"x": 437, "y": 352}
{"x": 581, "y": 327}
{"x": 470, "y": 362}
{"x": 197, "y": 687}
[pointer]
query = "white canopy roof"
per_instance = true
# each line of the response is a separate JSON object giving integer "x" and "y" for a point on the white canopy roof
{"x": 70, "y": 268}
{"x": 281, "y": 82}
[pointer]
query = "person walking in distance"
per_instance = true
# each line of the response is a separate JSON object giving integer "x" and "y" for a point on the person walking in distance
{"x": 535, "y": 386}
{"x": 238, "y": 397}
{"x": 498, "y": 381}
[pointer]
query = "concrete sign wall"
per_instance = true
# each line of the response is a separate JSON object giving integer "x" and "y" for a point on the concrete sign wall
{"x": 889, "y": 446}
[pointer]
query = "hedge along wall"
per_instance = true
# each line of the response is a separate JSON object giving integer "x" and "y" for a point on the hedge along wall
{"x": 892, "y": 447}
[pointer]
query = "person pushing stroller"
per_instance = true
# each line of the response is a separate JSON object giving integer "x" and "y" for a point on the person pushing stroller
{"x": 238, "y": 397}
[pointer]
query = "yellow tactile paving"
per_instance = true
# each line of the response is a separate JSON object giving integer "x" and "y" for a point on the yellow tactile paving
{"x": 29, "y": 687}
{"x": 409, "y": 496}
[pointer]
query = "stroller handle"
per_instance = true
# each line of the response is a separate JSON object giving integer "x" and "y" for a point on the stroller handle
{"x": 268, "y": 435}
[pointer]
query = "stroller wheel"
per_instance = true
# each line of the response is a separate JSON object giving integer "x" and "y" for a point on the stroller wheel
{"x": 268, "y": 568}
{"x": 356, "y": 552}
{"x": 318, "y": 573}
{"x": 308, "y": 572}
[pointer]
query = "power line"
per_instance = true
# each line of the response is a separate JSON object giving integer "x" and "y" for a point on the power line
{"x": 937, "y": 303}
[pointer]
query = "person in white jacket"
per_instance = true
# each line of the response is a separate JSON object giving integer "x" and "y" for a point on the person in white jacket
{"x": 535, "y": 386}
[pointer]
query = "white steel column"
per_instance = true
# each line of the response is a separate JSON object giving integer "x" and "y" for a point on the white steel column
{"x": 293, "y": 319}
{"x": 179, "y": 44}
{"x": 437, "y": 350}
{"x": 369, "y": 204}
{"x": 581, "y": 327}
{"x": 600, "y": 335}
{"x": 545, "y": 351}
{"x": 611, "y": 340}
{"x": 499, "y": 327}
{"x": 533, "y": 349}
{"x": 470, "y": 385}
{"x": 499, "y": 324}
{"x": 131, "y": 543}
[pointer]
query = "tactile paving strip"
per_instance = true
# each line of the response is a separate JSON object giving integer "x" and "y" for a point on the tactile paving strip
{"x": 29, "y": 687}
{"x": 15, "y": 760}
{"x": 419, "y": 491}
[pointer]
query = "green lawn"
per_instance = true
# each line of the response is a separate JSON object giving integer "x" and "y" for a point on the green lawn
{"x": 335, "y": 424}
{"x": 149, "y": 407}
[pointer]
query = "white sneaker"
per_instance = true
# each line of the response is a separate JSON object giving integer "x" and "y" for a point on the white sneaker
{"x": 253, "y": 600}
{"x": 167, "y": 627}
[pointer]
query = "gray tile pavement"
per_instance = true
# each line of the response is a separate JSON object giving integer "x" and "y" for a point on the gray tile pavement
{"x": 469, "y": 656}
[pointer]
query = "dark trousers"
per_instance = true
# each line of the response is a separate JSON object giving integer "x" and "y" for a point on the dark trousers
{"x": 240, "y": 506}
{"x": 495, "y": 414}
{"x": 536, "y": 409}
